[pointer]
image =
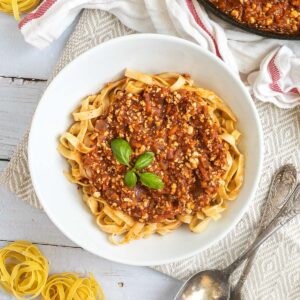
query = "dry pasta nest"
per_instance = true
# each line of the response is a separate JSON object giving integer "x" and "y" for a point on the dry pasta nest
{"x": 24, "y": 274}
{"x": 17, "y": 7}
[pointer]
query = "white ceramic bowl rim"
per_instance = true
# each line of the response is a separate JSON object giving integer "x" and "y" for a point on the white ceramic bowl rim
{"x": 83, "y": 57}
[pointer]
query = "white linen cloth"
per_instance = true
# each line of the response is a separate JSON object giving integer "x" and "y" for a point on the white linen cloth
{"x": 277, "y": 81}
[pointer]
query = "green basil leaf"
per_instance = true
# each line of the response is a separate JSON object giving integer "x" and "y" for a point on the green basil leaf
{"x": 144, "y": 160}
{"x": 121, "y": 150}
{"x": 130, "y": 179}
{"x": 151, "y": 180}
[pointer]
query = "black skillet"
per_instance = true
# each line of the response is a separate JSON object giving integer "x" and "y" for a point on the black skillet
{"x": 211, "y": 7}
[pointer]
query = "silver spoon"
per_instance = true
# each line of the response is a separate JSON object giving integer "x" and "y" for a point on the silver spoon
{"x": 283, "y": 183}
{"x": 214, "y": 284}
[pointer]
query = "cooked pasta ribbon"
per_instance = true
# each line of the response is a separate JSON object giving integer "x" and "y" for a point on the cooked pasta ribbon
{"x": 120, "y": 226}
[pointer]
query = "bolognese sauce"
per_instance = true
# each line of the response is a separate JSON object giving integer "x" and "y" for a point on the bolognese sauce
{"x": 190, "y": 157}
{"x": 280, "y": 16}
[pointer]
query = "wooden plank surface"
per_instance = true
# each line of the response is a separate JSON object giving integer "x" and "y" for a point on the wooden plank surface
{"x": 18, "y": 99}
{"x": 21, "y": 221}
{"x": 119, "y": 282}
{"x": 19, "y": 59}
{"x": 3, "y": 164}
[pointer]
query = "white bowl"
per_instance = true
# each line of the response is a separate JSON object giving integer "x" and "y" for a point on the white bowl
{"x": 150, "y": 53}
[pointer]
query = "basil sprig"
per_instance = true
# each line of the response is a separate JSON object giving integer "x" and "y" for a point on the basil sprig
{"x": 122, "y": 152}
{"x": 130, "y": 178}
{"x": 144, "y": 160}
{"x": 151, "y": 180}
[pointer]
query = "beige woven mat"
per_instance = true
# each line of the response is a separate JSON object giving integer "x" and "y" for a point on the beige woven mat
{"x": 276, "y": 274}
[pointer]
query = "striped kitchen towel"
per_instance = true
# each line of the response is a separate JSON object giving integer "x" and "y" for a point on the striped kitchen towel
{"x": 277, "y": 79}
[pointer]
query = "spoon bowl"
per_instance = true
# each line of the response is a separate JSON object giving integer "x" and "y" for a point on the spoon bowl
{"x": 205, "y": 285}
{"x": 214, "y": 284}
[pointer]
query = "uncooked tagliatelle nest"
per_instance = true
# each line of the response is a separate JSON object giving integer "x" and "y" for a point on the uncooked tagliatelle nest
{"x": 24, "y": 274}
{"x": 23, "y": 270}
{"x": 17, "y": 7}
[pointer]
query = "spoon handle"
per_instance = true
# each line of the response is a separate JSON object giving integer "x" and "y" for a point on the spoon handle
{"x": 289, "y": 210}
{"x": 283, "y": 183}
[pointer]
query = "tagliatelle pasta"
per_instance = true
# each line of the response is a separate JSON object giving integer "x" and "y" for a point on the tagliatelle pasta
{"x": 69, "y": 286}
{"x": 17, "y": 7}
{"x": 24, "y": 274}
{"x": 23, "y": 270}
{"x": 194, "y": 138}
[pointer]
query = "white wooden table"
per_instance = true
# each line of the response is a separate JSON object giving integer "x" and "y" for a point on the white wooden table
{"x": 23, "y": 71}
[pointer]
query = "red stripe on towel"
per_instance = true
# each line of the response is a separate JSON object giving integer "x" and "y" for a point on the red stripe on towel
{"x": 38, "y": 13}
{"x": 194, "y": 13}
{"x": 275, "y": 76}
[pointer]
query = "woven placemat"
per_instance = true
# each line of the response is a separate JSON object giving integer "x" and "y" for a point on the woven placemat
{"x": 276, "y": 273}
